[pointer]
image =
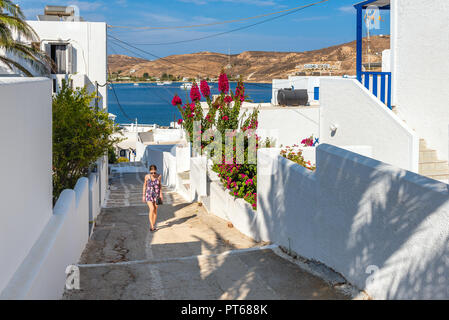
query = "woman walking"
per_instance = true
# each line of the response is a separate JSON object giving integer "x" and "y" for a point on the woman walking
{"x": 152, "y": 194}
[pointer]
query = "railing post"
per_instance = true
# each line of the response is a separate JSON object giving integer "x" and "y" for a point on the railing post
{"x": 359, "y": 42}
{"x": 389, "y": 91}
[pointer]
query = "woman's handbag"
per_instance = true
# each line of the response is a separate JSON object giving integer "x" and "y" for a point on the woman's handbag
{"x": 159, "y": 201}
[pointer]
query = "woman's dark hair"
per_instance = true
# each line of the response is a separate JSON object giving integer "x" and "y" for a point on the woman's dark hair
{"x": 153, "y": 167}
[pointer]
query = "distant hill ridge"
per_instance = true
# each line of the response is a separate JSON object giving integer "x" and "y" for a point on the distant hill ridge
{"x": 252, "y": 65}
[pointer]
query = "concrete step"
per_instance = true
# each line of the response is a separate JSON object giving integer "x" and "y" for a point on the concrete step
{"x": 422, "y": 144}
{"x": 430, "y": 166}
{"x": 437, "y": 174}
{"x": 427, "y": 155}
{"x": 184, "y": 175}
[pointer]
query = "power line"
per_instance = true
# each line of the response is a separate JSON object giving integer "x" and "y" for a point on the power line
{"x": 234, "y": 30}
{"x": 205, "y": 24}
{"x": 118, "y": 102}
{"x": 144, "y": 84}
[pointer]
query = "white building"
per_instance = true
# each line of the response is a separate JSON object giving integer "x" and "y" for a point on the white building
{"x": 78, "y": 48}
{"x": 401, "y": 112}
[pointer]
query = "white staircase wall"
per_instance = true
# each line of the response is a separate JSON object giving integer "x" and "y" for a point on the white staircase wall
{"x": 362, "y": 119}
{"x": 420, "y": 47}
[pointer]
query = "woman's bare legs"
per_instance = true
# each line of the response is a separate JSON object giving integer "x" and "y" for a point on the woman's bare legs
{"x": 152, "y": 214}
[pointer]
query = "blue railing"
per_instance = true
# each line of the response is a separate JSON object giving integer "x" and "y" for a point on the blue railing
{"x": 379, "y": 83}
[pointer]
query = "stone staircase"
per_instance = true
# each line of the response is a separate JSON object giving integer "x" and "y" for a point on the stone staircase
{"x": 429, "y": 164}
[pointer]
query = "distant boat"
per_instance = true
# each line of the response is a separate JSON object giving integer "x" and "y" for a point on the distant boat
{"x": 160, "y": 83}
{"x": 168, "y": 82}
{"x": 136, "y": 84}
{"x": 186, "y": 86}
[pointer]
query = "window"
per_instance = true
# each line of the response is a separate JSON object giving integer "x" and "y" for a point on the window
{"x": 58, "y": 54}
{"x": 62, "y": 55}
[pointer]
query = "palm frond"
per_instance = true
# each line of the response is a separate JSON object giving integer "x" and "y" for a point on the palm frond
{"x": 18, "y": 25}
{"x": 12, "y": 8}
{"x": 11, "y": 64}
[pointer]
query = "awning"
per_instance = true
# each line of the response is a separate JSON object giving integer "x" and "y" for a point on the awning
{"x": 382, "y": 4}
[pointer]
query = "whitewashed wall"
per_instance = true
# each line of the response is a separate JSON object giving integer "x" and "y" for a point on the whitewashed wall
{"x": 420, "y": 43}
{"x": 289, "y": 126}
{"x": 363, "y": 120}
{"x": 25, "y": 168}
{"x": 386, "y": 60}
{"x": 355, "y": 213}
{"x": 198, "y": 177}
{"x": 169, "y": 159}
{"x": 41, "y": 274}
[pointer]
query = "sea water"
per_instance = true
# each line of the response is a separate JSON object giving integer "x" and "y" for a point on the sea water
{"x": 151, "y": 104}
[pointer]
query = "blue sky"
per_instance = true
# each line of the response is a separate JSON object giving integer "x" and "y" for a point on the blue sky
{"x": 317, "y": 27}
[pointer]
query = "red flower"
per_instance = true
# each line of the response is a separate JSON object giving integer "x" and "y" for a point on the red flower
{"x": 192, "y": 107}
{"x": 176, "y": 101}
{"x": 180, "y": 121}
{"x": 195, "y": 94}
{"x": 225, "y": 118}
{"x": 223, "y": 83}
{"x": 228, "y": 99}
{"x": 205, "y": 89}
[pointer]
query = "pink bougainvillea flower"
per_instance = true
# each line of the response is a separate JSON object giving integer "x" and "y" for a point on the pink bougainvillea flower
{"x": 195, "y": 94}
{"x": 192, "y": 107}
{"x": 228, "y": 99}
{"x": 176, "y": 100}
{"x": 223, "y": 83}
{"x": 225, "y": 118}
{"x": 180, "y": 121}
{"x": 205, "y": 89}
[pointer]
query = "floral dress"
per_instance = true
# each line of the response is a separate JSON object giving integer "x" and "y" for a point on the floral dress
{"x": 153, "y": 190}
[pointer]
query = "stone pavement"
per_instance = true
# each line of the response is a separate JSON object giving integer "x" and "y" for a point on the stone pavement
{"x": 194, "y": 255}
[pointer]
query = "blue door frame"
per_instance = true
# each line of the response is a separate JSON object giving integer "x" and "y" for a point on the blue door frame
{"x": 366, "y": 76}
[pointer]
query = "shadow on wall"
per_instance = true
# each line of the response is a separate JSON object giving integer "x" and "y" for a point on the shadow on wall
{"x": 355, "y": 214}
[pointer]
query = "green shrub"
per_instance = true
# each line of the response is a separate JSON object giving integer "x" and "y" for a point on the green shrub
{"x": 81, "y": 135}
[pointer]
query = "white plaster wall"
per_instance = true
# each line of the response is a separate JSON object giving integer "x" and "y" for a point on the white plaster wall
{"x": 25, "y": 168}
{"x": 363, "y": 120}
{"x": 94, "y": 199}
{"x": 89, "y": 40}
{"x": 167, "y": 135}
{"x": 164, "y": 158}
{"x": 237, "y": 211}
{"x": 355, "y": 212}
{"x": 386, "y": 60}
{"x": 420, "y": 40}
{"x": 41, "y": 275}
{"x": 103, "y": 171}
{"x": 183, "y": 158}
{"x": 198, "y": 177}
{"x": 289, "y": 126}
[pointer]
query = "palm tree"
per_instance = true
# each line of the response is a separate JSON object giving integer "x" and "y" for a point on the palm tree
{"x": 13, "y": 26}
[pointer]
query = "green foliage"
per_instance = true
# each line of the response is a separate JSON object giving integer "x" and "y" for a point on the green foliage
{"x": 81, "y": 135}
{"x": 112, "y": 157}
{"x": 297, "y": 157}
{"x": 240, "y": 180}
{"x": 23, "y": 56}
